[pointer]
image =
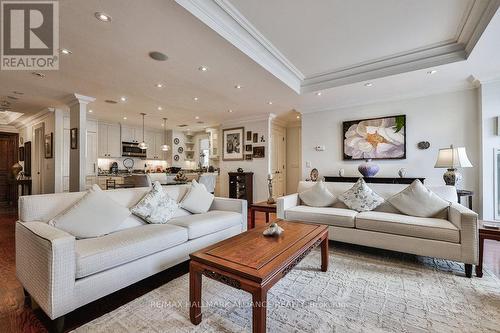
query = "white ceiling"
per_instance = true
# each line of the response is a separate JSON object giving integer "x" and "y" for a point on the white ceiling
{"x": 110, "y": 60}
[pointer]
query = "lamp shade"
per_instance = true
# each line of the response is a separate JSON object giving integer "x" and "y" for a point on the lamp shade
{"x": 452, "y": 158}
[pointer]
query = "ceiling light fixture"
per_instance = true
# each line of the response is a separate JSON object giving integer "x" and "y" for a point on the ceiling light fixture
{"x": 123, "y": 99}
{"x": 90, "y": 111}
{"x": 196, "y": 117}
{"x": 318, "y": 93}
{"x": 196, "y": 98}
{"x": 124, "y": 118}
{"x": 203, "y": 68}
{"x": 143, "y": 144}
{"x": 164, "y": 146}
{"x": 102, "y": 17}
{"x": 155, "y": 55}
{"x": 237, "y": 86}
{"x": 298, "y": 116}
{"x": 368, "y": 84}
{"x": 270, "y": 103}
{"x": 159, "y": 108}
{"x": 432, "y": 72}
{"x": 230, "y": 111}
{"x": 159, "y": 85}
{"x": 66, "y": 51}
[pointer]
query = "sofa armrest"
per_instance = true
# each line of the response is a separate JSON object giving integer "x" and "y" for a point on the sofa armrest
{"x": 45, "y": 265}
{"x": 286, "y": 202}
{"x": 232, "y": 205}
{"x": 466, "y": 220}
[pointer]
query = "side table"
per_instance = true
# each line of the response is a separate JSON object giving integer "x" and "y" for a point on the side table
{"x": 485, "y": 233}
{"x": 260, "y": 207}
{"x": 467, "y": 194}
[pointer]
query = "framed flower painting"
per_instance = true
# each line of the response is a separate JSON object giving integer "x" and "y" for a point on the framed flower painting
{"x": 376, "y": 138}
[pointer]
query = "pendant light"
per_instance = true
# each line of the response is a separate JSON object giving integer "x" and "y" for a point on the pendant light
{"x": 164, "y": 146}
{"x": 143, "y": 144}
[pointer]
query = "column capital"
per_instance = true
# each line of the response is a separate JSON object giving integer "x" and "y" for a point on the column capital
{"x": 75, "y": 98}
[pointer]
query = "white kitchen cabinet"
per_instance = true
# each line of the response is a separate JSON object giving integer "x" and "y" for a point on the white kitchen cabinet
{"x": 91, "y": 154}
{"x": 109, "y": 140}
{"x": 149, "y": 138}
{"x": 131, "y": 134}
{"x": 159, "y": 141}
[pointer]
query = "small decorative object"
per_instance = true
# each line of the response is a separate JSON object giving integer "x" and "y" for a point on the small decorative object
{"x": 73, "y": 138}
{"x": 49, "y": 141}
{"x": 176, "y": 158}
{"x": 262, "y": 139}
{"x": 16, "y": 169}
{"x": 255, "y": 137}
{"x": 273, "y": 230}
{"x": 180, "y": 150}
{"x": 240, "y": 170}
{"x": 258, "y": 152}
{"x": 211, "y": 168}
{"x": 21, "y": 140}
{"x": 368, "y": 169}
{"x": 314, "y": 175}
{"x": 21, "y": 154}
{"x": 176, "y": 141}
{"x": 248, "y": 147}
{"x": 248, "y": 157}
{"x": 233, "y": 144}
{"x": 341, "y": 172}
{"x": 402, "y": 172}
{"x": 180, "y": 177}
{"x": 452, "y": 158}
{"x": 270, "y": 199}
{"x": 423, "y": 145}
{"x": 377, "y": 138}
{"x": 249, "y": 136}
{"x": 128, "y": 163}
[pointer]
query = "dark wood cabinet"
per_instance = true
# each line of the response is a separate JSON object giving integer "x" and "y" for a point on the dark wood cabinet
{"x": 373, "y": 180}
{"x": 241, "y": 186}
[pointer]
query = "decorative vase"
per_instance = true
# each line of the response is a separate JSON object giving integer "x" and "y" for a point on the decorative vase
{"x": 368, "y": 169}
{"x": 15, "y": 169}
{"x": 270, "y": 199}
{"x": 452, "y": 177}
{"x": 402, "y": 172}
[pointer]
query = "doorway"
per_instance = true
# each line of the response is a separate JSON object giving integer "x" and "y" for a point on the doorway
{"x": 38, "y": 159}
{"x": 278, "y": 160}
{"x": 8, "y": 152}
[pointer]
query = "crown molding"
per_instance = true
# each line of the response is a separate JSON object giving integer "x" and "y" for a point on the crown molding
{"x": 37, "y": 117}
{"x": 8, "y": 129}
{"x": 264, "y": 117}
{"x": 228, "y": 22}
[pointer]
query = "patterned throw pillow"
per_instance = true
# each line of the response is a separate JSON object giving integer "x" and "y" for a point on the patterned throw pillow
{"x": 156, "y": 206}
{"x": 361, "y": 198}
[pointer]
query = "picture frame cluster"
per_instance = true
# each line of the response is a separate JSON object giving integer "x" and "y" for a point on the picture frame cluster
{"x": 239, "y": 145}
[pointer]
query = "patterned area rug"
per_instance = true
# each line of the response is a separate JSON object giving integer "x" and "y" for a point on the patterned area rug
{"x": 364, "y": 290}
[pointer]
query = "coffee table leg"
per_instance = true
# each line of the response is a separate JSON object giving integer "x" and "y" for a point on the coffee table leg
{"x": 252, "y": 218}
{"x": 324, "y": 254}
{"x": 194, "y": 293}
{"x": 259, "y": 305}
{"x": 267, "y": 217}
{"x": 479, "y": 267}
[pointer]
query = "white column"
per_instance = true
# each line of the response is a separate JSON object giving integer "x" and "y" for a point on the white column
{"x": 78, "y": 119}
{"x": 489, "y": 106}
{"x": 58, "y": 150}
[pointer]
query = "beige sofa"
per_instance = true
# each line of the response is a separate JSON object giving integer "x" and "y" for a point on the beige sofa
{"x": 62, "y": 273}
{"x": 452, "y": 235}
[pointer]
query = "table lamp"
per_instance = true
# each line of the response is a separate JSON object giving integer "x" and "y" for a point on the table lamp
{"x": 452, "y": 158}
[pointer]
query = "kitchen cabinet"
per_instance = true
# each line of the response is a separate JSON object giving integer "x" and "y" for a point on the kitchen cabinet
{"x": 91, "y": 154}
{"x": 131, "y": 134}
{"x": 109, "y": 140}
{"x": 154, "y": 140}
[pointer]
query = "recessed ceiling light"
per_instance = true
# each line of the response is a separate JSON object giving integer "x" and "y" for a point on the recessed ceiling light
{"x": 158, "y": 56}
{"x": 102, "y": 17}
{"x": 38, "y": 74}
{"x": 124, "y": 118}
{"x": 298, "y": 117}
{"x": 159, "y": 108}
{"x": 196, "y": 117}
{"x": 159, "y": 85}
{"x": 270, "y": 103}
{"x": 203, "y": 68}
{"x": 368, "y": 84}
{"x": 230, "y": 111}
{"x": 90, "y": 111}
{"x": 318, "y": 93}
{"x": 237, "y": 86}
{"x": 432, "y": 72}
{"x": 123, "y": 99}
{"x": 196, "y": 98}
{"x": 66, "y": 51}
{"x": 188, "y": 129}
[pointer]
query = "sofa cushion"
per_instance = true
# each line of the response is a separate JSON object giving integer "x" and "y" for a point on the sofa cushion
{"x": 198, "y": 200}
{"x": 317, "y": 196}
{"x": 361, "y": 197}
{"x": 339, "y": 217}
{"x": 212, "y": 221}
{"x": 421, "y": 227}
{"x": 98, "y": 254}
{"x": 156, "y": 206}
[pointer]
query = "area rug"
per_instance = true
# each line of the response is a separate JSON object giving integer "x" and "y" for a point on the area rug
{"x": 364, "y": 290}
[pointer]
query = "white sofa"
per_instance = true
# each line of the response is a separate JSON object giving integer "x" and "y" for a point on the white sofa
{"x": 62, "y": 273}
{"x": 452, "y": 235}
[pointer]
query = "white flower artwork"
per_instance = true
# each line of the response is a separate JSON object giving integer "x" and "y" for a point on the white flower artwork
{"x": 381, "y": 138}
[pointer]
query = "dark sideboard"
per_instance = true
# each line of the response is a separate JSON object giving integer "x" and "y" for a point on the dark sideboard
{"x": 375, "y": 180}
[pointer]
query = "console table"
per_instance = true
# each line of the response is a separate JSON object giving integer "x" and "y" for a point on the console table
{"x": 485, "y": 233}
{"x": 374, "y": 180}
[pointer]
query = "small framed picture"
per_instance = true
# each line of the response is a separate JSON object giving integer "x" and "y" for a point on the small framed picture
{"x": 233, "y": 144}
{"x": 73, "y": 134}
{"x": 255, "y": 137}
{"x": 248, "y": 157}
{"x": 49, "y": 141}
{"x": 259, "y": 152}
{"x": 248, "y": 148}
{"x": 249, "y": 136}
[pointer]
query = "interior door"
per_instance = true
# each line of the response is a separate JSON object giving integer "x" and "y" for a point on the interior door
{"x": 278, "y": 160}
{"x": 8, "y": 153}
{"x": 39, "y": 155}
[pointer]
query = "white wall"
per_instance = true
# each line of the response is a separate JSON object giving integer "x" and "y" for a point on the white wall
{"x": 489, "y": 104}
{"x": 442, "y": 120}
{"x": 259, "y": 166}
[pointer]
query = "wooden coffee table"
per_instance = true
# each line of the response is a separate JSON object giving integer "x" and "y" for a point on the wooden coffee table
{"x": 260, "y": 207}
{"x": 254, "y": 263}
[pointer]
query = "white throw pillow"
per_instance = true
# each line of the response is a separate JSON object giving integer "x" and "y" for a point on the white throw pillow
{"x": 361, "y": 198}
{"x": 94, "y": 215}
{"x": 418, "y": 200}
{"x": 317, "y": 196}
{"x": 198, "y": 200}
{"x": 156, "y": 206}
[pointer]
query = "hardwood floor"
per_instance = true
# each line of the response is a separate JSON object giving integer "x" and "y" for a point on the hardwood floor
{"x": 16, "y": 317}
